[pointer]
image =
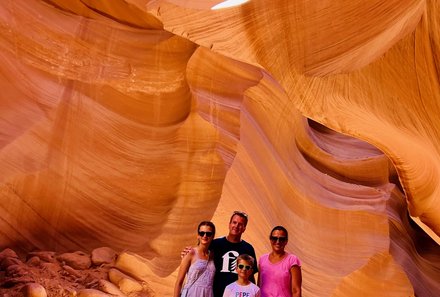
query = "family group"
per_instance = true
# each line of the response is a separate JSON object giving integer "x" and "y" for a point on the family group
{"x": 225, "y": 266}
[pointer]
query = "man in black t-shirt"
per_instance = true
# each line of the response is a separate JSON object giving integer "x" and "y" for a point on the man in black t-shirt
{"x": 226, "y": 250}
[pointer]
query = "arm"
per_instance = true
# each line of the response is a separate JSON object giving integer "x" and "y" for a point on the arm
{"x": 184, "y": 266}
{"x": 259, "y": 278}
{"x": 258, "y": 294}
{"x": 256, "y": 266}
{"x": 252, "y": 278}
{"x": 295, "y": 272}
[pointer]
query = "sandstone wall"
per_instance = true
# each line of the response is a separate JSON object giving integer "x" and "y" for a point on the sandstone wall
{"x": 125, "y": 123}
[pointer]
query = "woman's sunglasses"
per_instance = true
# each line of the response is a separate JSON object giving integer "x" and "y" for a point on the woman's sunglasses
{"x": 203, "y": 233}
{"x": 279, "y": 239}
{"x": 245, "y": 267}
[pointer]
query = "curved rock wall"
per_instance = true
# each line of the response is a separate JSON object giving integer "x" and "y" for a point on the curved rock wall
{"x": 125, "y": 123}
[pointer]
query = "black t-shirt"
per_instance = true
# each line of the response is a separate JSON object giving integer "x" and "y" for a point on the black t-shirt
{"x": 225, "y": 260}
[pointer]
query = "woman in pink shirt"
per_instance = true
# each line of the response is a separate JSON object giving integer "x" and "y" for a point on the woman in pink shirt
{"x": 279, "y": 271}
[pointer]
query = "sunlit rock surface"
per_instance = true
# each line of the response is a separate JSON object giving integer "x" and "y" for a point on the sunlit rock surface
{"x": 125, "y": 123}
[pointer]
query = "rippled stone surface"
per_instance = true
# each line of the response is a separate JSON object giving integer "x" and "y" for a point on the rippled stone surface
{"x": 125, "y": 123}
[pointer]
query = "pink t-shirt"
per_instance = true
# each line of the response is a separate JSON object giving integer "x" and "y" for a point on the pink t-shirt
{"x": 275, "y": 279}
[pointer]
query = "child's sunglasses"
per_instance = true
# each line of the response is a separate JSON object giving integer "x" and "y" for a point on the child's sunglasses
{"x": 245, "y": 267}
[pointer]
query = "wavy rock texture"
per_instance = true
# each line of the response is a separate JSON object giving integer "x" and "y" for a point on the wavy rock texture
{"x": 125, "y": 123}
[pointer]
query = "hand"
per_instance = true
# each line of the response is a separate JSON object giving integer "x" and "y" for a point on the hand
{"x": 185, "y": 251}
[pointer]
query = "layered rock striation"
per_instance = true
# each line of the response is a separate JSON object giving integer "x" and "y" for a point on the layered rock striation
{"x": 125, "y": 123}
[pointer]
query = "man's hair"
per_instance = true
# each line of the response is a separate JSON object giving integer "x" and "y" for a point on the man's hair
{"x": 241, "y": 214}
{"x": 247, "y": 258}
{"x": 280, "y": 228}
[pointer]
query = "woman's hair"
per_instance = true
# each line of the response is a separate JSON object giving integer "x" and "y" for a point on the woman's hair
{"x": 209, "y": 224}
{"x": 247, "y": 258}
{"x": 281, "y": 228}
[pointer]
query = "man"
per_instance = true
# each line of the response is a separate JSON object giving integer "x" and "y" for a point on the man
{"x": 226, "y": 250}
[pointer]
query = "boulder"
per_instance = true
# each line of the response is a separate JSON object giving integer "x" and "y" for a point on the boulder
{"x": 103, "y": 255}
{"x": 73, "y": 272}
{"x": 16, "y": 270}
{"x": 9, "y": 261}
{"x": 34, "y": 290}
{"x": 110, "y": 288}
{"x": 124, "y": 282}
{"x": 76, "y": 260}
{"x": 133, "y": 265}
{"x": 33, "y": 261}
{"x": 45, "y": 256}
{"x": 8, "y": 253}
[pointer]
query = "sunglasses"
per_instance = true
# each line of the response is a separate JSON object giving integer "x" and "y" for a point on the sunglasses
{"x": 203, "y": 233}
{"x": 279, "y": 239}
{"x": 245, "y": 267}
{"x": 240, "y": 213}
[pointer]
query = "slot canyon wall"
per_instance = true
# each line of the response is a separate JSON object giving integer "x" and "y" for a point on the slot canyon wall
{"x": 125, "y": 123}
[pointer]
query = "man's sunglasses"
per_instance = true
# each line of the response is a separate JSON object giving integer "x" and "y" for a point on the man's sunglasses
{"x": 240, "y": 213}
{"x": 279, "y": 239}
{"x": 245, "y": 267}
{"x": 203, "y": 233}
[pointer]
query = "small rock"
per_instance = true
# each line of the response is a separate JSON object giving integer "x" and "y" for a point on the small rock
{"x": 90, "y": 281}
{"x": 34, "y": 290}
{"x": 8, "y": 261}
{"x": 129, "y": 285}
{"x": 77, "y": 260}
{"x": 33, "y": 261}
{"x": 133, "y": 265}
{"x": 115, "y": 276}
{"x": 16, "y": 270}
{"x": 91, "y": 293}
{"x": 51, "y": 268}
{"x": 69, "y": 292}
{"x": 45, "y": 256}
{"x": 13, "y": 281}
{"x": 125, "y": 283}
{"x": 71, "y": 271}
{"x": 103, "y": 255}
{"x": 110, "y": 288}
{"x": 8, "y": 253}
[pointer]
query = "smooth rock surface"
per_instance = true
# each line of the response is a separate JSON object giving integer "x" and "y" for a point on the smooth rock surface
{"x": 126, "y": 123}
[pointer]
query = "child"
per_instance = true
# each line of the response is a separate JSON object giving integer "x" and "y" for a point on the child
{"x": 243, "y": 286}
